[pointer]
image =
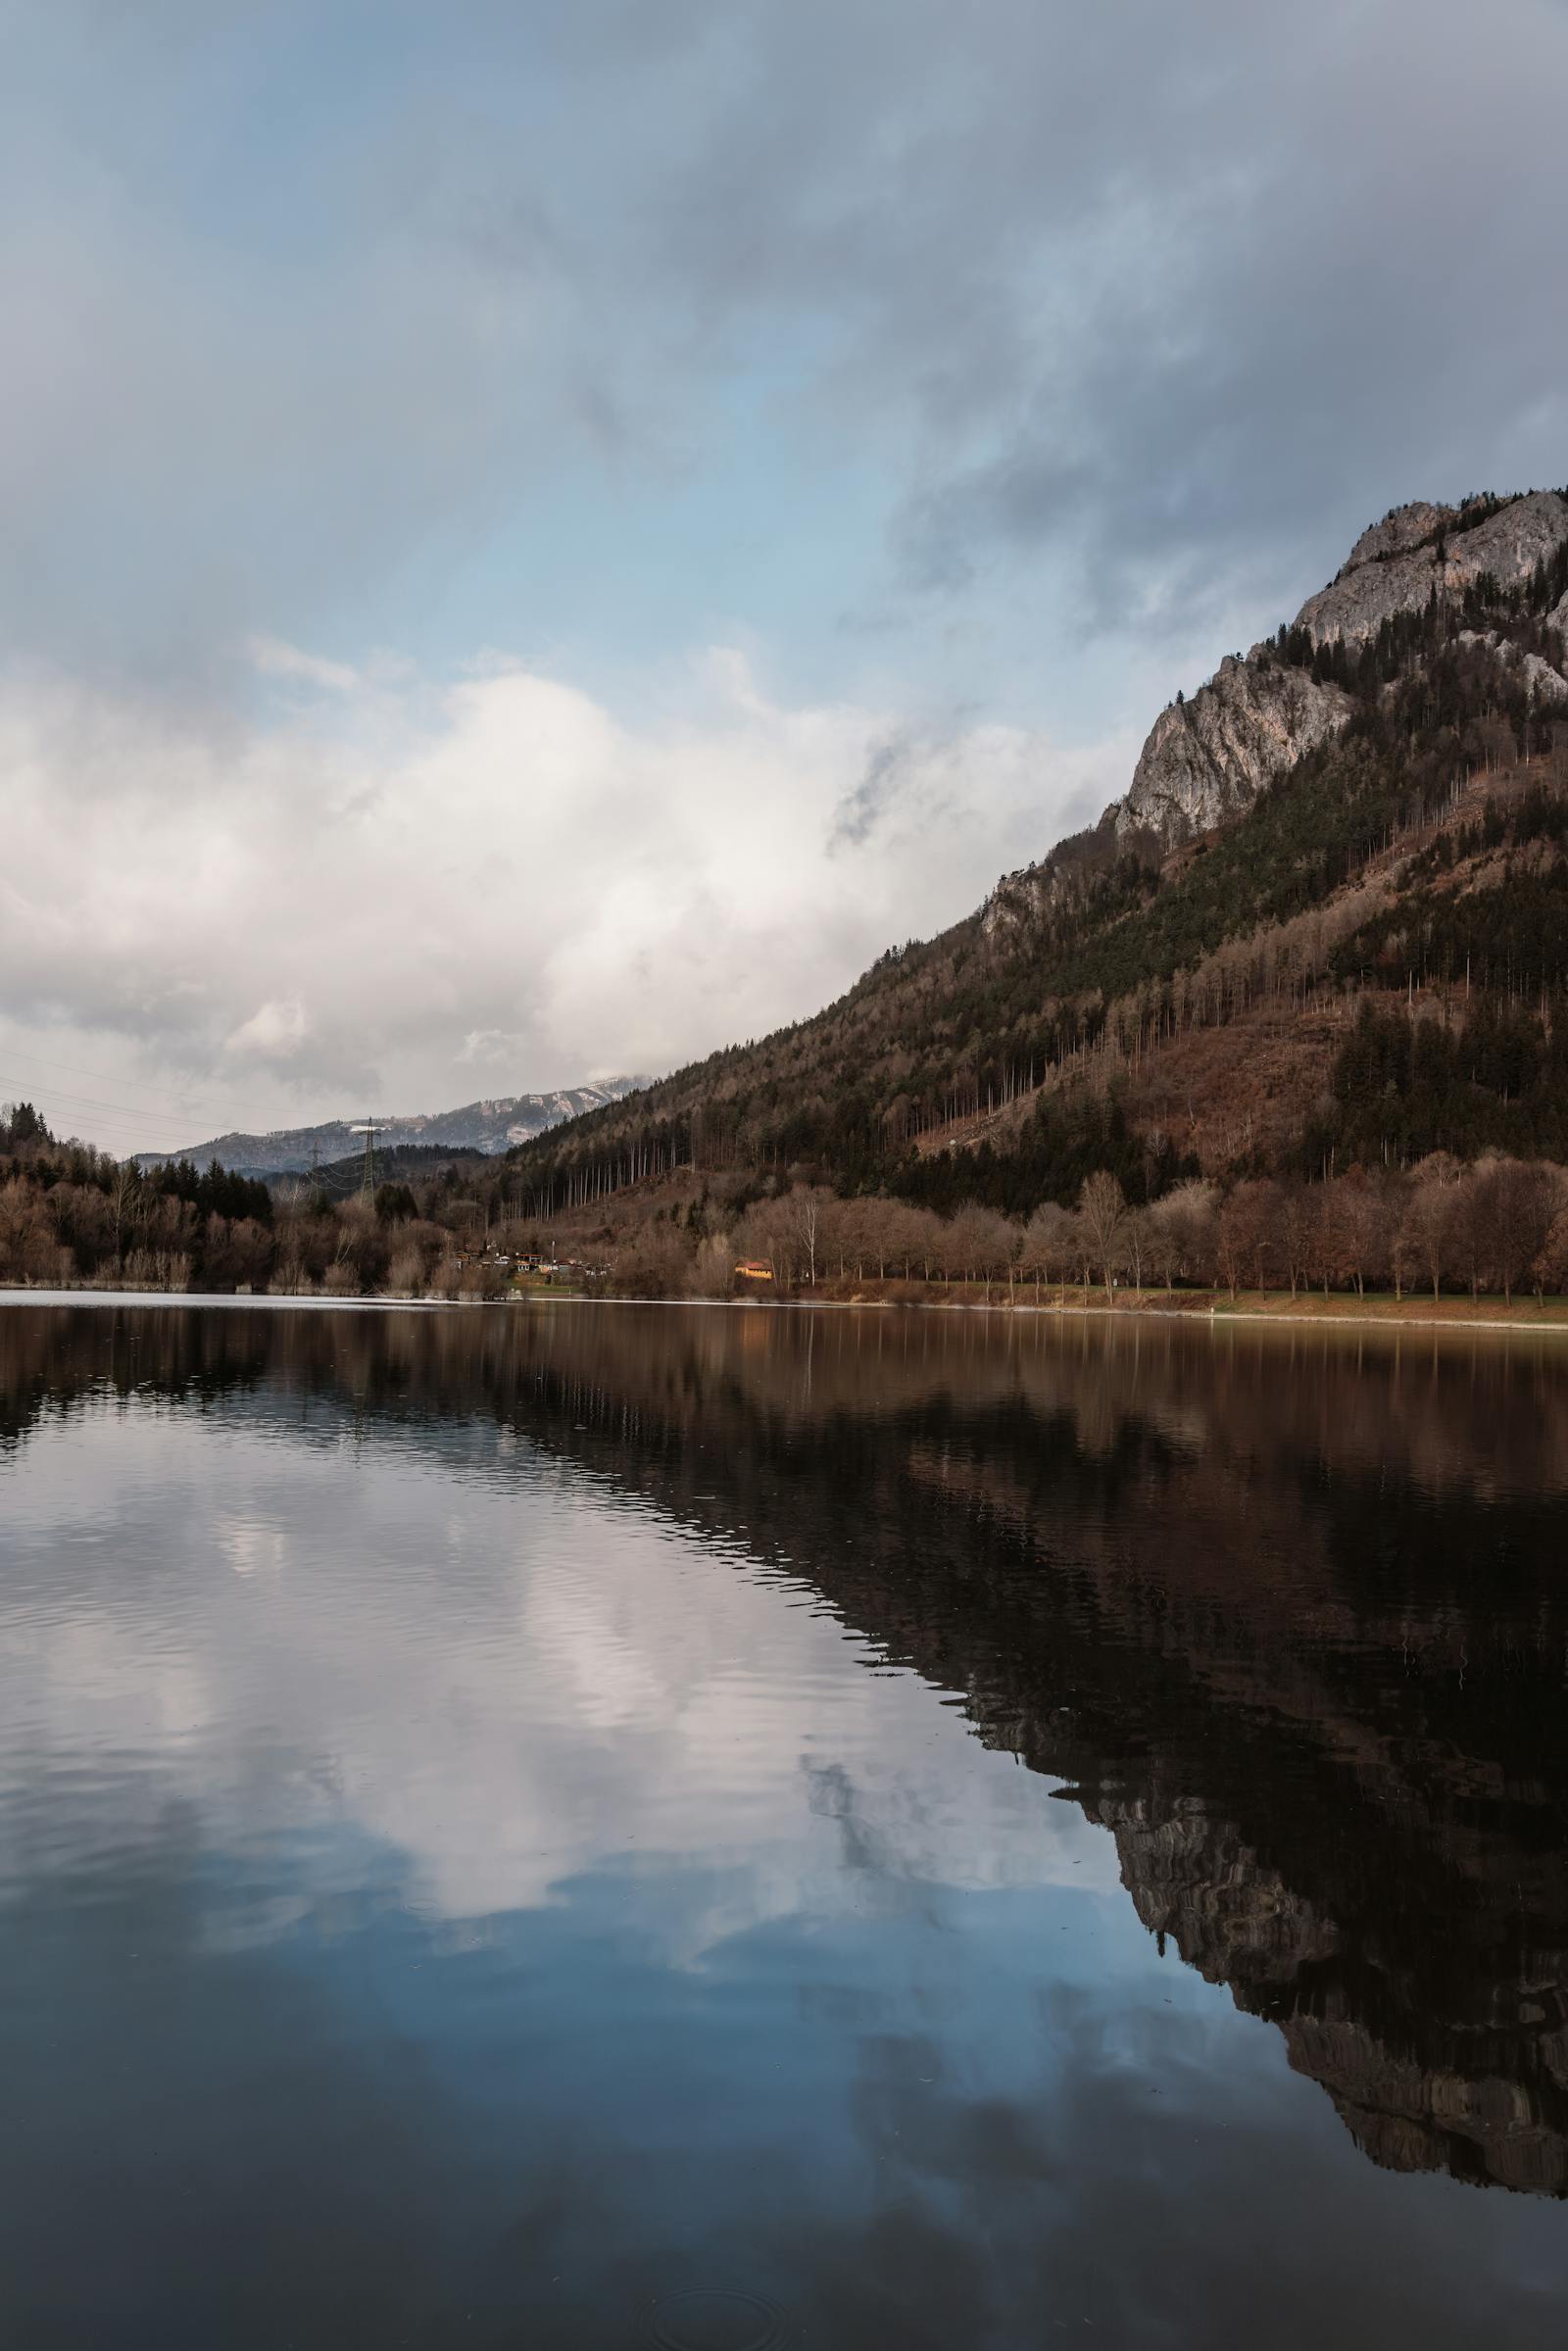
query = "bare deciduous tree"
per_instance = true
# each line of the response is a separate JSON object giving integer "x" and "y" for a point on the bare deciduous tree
{"x": 1188, "y": 1222}
{"x": 1516, "y": 1201}
{"x": 1551, "y": 1269}
{"x": 1137, "y": 1243}
{"x": 1049, "y": 1248}
{"x": 1102, "y": 1205}
{"x": 805, "y": 1207}
{"x": 1249, "y": 1233}
{"x": 1421, "y": 1248}
{"x": 981, "y": 1245}
{"x": 1298, "y": 1234}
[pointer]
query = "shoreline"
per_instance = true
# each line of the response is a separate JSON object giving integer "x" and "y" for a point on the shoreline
{"x": 1251, "y": 1311}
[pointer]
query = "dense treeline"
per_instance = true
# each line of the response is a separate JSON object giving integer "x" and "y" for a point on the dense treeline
{"x": 73, "y": 1215}
{"x": 1064, "y": 1142}
{"x": 70, "y": 1215}
{"x": 1499, "y": 1227}
{"x": 1485, "y": 903}
{"x": 1405, "y": 1087}
{"x": 68, "y": 1211}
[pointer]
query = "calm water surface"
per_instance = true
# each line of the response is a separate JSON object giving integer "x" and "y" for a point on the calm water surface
{"x": 598, "y": 1826}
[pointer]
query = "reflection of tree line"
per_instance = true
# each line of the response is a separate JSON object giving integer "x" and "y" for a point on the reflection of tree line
{"x": 1206, "y": 1580}
{"x": 1484, "y": 1414}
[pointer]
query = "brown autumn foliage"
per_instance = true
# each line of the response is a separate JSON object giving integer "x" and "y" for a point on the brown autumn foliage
{"x": 1497, "y": 1228}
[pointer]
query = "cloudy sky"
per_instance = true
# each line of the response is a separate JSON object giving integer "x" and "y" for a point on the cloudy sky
{"x": 537, "y": 539}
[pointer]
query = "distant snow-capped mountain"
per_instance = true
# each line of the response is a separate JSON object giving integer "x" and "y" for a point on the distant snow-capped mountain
{"x": 490, "y": 1126}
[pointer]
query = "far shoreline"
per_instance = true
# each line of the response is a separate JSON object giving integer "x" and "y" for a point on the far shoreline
{"x": 1249, "y": 1310}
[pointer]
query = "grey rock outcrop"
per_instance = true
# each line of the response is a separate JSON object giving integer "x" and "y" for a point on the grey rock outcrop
{"x": 1395, "y": 567}
{"x": 1205, "y": 760}
{"x": 1398, "y": 533}
{"x": 1545, "y": 683}
{"x": 1018, "y": 900}
{"x": 1209, "y": 759}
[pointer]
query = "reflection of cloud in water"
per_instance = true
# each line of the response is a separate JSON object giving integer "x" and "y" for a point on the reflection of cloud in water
{"x": 522, "y": 1900}
{"x": 601, "y": 1694}
{"x": 251, "y": 1548}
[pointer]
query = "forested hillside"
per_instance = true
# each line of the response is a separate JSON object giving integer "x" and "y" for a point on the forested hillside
{"x": 1167, "y": 996}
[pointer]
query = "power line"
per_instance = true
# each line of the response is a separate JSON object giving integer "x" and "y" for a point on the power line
{"x": 126, "y": 1125}
{"x": 118, "y": 1113}
{"x": 86, "y": 1102}
{"x": 177, "y": 1107}
{"x": 66, "y": 1109}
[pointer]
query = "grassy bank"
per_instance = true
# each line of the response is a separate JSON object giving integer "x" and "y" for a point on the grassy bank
{"x": 1447, "y": 1313}
{"x": 1459, "y": 1309}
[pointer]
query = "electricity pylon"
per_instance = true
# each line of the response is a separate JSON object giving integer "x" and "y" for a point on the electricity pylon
{"x": 369, "y": 1128}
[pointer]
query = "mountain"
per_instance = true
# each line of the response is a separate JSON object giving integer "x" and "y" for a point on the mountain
{"x": 490, "y": 1126}
{"x": 1208, "y": 759}
{"x": 1420, "y": 550}
{"x": 1364, "y": 815}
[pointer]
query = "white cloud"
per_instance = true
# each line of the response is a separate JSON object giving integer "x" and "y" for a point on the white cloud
{"x": 273, "y": 658}
{"x": 274, "y": 1032}
{"x": 360, "y": 899}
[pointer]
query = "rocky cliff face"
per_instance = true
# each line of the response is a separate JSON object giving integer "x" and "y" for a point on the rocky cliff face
{"x": 1545, "y": 683}
{"x": 1395, "y": 567}
{"x": 1398, "y": 533}
{"x": 1208, "y": 759}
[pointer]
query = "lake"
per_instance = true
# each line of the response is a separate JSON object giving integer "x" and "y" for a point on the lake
{"x": 606, "y": 1825}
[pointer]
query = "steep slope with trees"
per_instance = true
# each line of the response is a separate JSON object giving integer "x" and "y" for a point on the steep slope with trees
{"x": 1371, "y": 802}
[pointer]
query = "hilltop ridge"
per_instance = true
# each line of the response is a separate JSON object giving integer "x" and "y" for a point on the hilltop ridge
{"x": 1387, "y": 754}
{"x": 1420, "y": 549}
{"x": 1209, "y": 756}
{"x": 494, "y": 1124}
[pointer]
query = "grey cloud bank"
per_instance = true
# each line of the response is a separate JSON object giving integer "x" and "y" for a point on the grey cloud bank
{"x": 295, "y": 299}
{"x": 1016, "y": 361}
{"x": 358, "y": 904}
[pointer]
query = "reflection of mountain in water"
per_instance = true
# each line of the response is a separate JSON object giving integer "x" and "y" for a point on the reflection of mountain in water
{"x": 1285, "y": 1613}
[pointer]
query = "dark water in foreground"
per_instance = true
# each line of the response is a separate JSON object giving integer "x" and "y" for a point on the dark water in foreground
{"x": 605, "y": 1826}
